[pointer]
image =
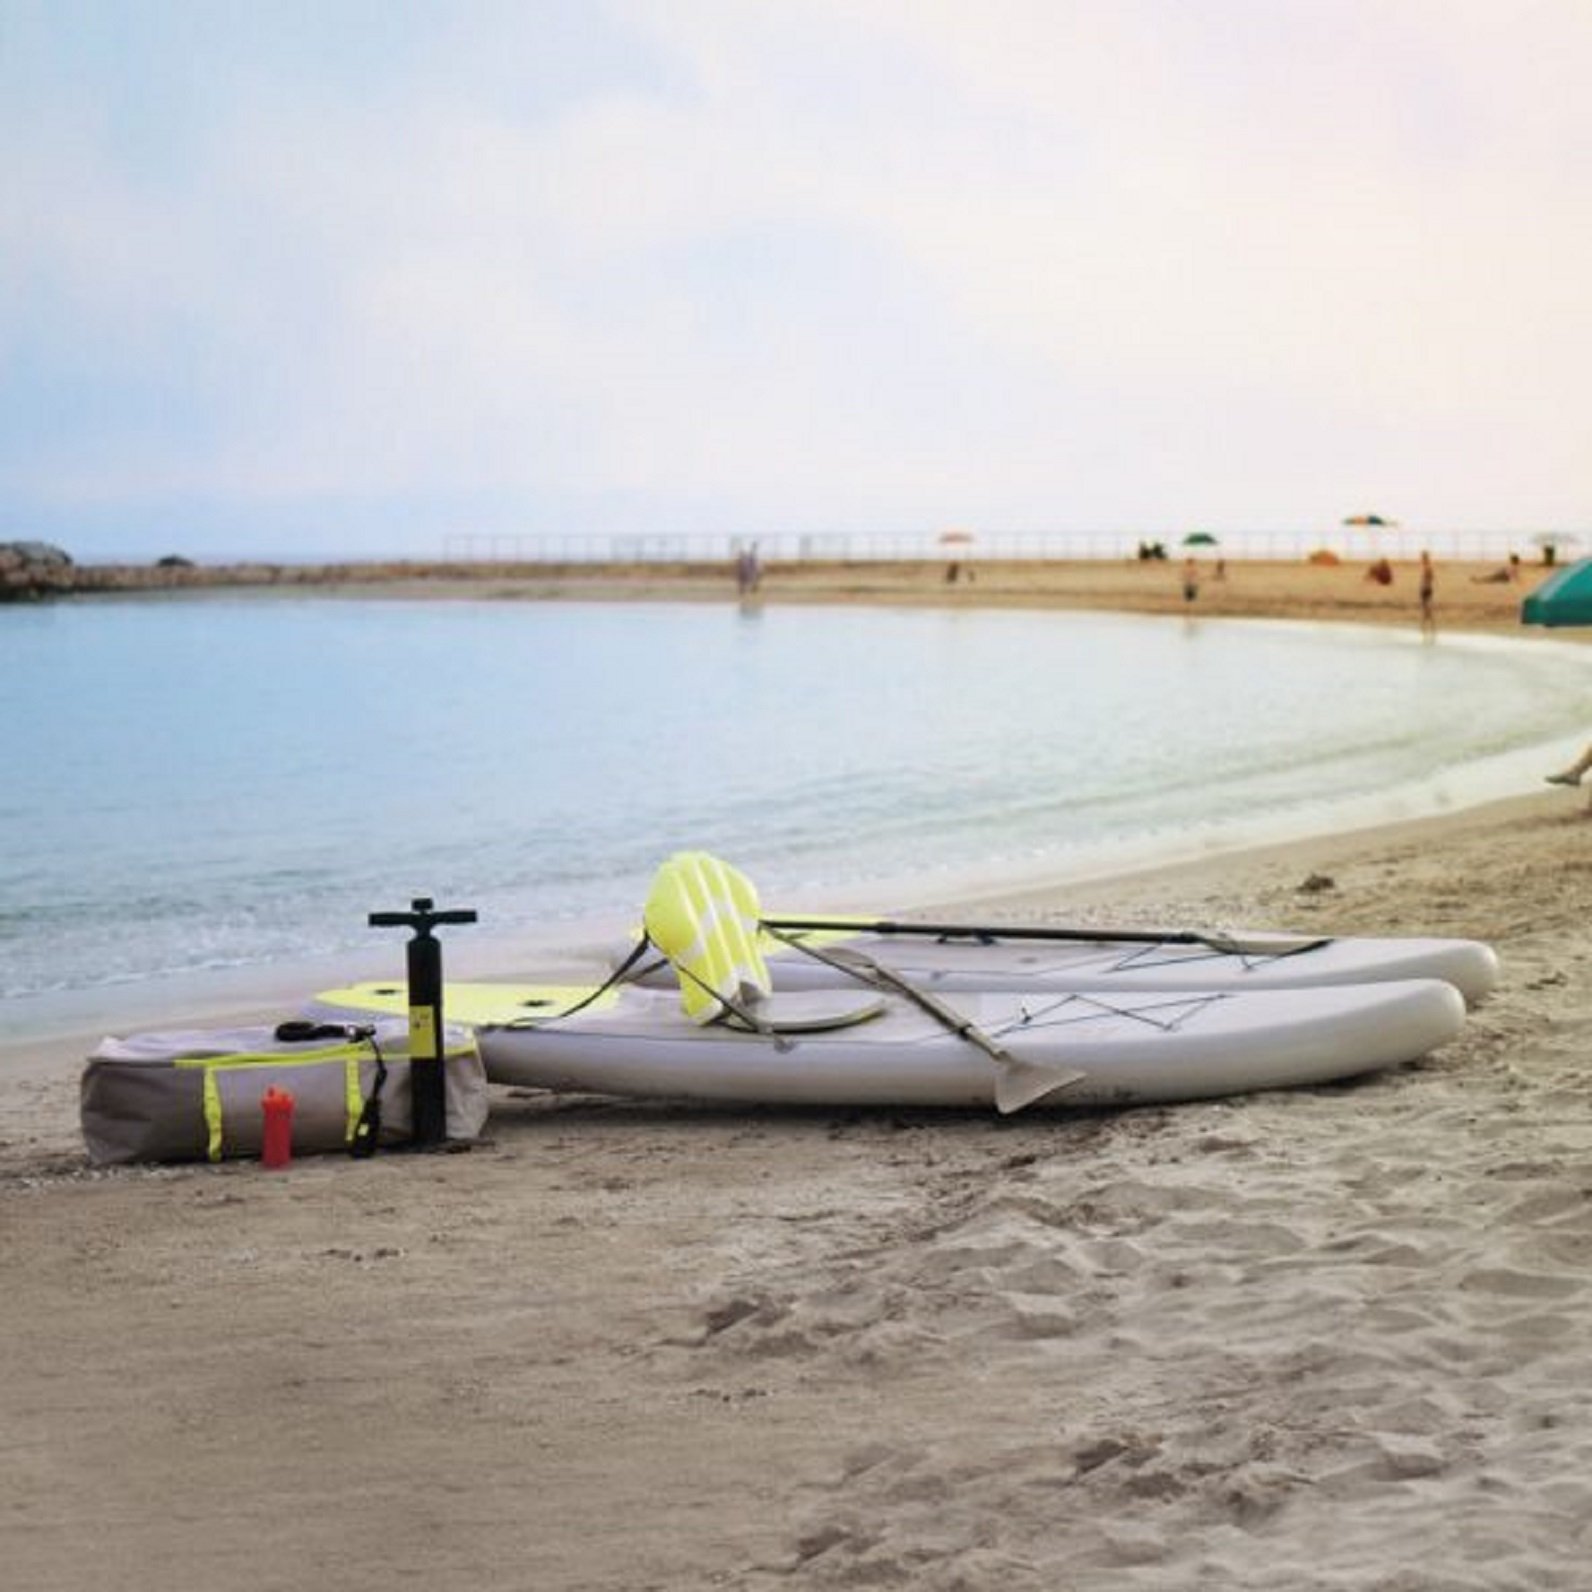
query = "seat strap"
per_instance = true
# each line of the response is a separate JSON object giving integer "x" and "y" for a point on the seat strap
{"x": 619, "y": 976}
{"x": 742, "y": 1011}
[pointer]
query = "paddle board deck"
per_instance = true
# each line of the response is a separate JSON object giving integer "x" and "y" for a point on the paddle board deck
{"x": 1100, "y": 1048}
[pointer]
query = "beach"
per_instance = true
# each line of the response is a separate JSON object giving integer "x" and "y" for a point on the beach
{"x": 1324, "y": 1338}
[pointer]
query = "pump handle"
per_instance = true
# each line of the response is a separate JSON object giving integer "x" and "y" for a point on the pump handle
{"x": 421, "y": 916}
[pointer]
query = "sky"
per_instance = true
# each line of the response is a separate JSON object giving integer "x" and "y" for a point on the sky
{"x": 351, "y": 277}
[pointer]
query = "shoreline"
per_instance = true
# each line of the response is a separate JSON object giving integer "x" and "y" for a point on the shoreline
{"x": 1112, "y": 884}
{"x": 1243, "y": 886}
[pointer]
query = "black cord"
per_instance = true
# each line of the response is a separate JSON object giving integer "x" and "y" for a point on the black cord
{"x": 616, "y": 977}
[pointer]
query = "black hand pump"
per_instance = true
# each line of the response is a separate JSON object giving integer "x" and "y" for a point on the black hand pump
{"x": 427, "y": 1080}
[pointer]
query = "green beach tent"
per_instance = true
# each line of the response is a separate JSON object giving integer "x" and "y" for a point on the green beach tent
{"x": 1562, "y": 599}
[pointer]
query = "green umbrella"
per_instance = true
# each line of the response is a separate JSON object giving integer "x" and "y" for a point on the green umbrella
{"x": 1199, "y": 539}
{"x": 1562, "y": 599}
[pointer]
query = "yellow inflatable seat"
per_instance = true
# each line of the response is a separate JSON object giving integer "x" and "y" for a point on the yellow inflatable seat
{"x": 704, "y": 915}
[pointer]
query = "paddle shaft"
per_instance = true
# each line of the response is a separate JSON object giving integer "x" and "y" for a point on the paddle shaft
{"x": 1283, "y": 945}
{"x": 870, "y": 971}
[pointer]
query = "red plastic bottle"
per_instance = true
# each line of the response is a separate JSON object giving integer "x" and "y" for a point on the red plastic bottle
{"x": 276, "y": 1148}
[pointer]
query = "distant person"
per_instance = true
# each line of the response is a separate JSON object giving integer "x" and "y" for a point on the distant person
{"x": 1428, "y": 596}
{"x": 1503, "y": 575}
{"x": 1381, "y": 572}
{"x": 748, "y": 571}
{"x": 1191, "y": 580}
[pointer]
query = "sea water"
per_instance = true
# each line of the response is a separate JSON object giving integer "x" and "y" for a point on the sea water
{"x": 228, "y": 781}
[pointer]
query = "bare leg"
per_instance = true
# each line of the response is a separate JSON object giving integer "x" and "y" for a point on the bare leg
{"x": 1572, "y": 774}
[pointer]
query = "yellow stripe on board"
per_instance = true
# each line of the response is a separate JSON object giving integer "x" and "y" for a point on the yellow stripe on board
{"x": 472, "y": 1004}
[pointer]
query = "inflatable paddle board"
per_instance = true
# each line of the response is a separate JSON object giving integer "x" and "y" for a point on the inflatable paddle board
{"x": 951, "y": 958}
{"x": 1069, "y": 1048}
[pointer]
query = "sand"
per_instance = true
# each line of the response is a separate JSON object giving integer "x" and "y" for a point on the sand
{"x": 1325, "y": 1338}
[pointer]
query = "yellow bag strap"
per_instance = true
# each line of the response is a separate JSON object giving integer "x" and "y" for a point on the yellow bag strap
{"x": 212, "y": 1098}
{"x": 350, "y": 1055}
{"x": 212, "y": 1066}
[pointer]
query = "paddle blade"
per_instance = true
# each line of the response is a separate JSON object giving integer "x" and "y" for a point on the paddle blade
{"x": 1021, "y": 1083}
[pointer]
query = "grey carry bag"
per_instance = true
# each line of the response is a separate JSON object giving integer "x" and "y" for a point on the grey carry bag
{"x": 197, "y": 1094}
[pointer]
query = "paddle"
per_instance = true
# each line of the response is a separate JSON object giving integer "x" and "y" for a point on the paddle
{"x": 1017, "y": 1083}
{"x": 1227, "y": 944}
